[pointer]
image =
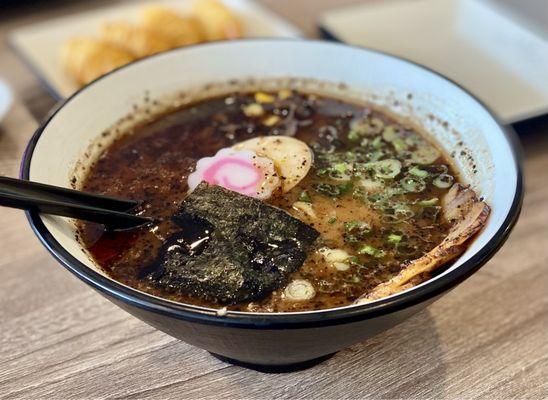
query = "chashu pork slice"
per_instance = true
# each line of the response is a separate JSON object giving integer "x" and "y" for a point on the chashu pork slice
{"x": 468, "y": 214}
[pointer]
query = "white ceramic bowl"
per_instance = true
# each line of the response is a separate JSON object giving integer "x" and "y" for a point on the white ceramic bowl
{"x": 458, "y": 121}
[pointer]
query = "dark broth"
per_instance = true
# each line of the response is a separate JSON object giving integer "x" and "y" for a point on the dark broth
{"x": 373, "y": 191}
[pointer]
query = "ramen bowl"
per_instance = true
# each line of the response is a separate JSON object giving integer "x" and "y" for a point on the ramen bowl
{"x": 485, "y": 153}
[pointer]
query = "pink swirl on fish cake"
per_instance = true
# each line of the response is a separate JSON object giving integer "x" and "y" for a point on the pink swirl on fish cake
{"x": 240, "y": 171}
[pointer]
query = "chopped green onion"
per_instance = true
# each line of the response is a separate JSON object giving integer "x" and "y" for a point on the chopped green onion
{"x": 372, "y": 251}
{"x": 341, "y": 167}
{"x": 345, "y": 187}
{"x": 355, "y": 231}
{"x": 353, "y": 135}
{"x": 327, "y": 189}
{"x": 394, "y": 239}
{"x": 377, "y": 125}
{"x": 332, "y": 220}
{"x": 443, "y": 181}
{"x": 377, "y": 142}
{"x": 353, "y": 279}
{"x": 305, "y": 197}
{"x": 333, "y": 190}
{"x": 412, "y": 185}
{"x": 389, "y": 133}
{"x": 365, "y": 126}
{"x": 425, "y": 154}
{"x": 299, "y": 290}
{"x": 399, "y": 145}
{"x": 375, "y": 155}
{"x": 359, "y": 194}
{"x": 371, "y": 185}
{"x": 431, "y": 212}
{"x": 374, "y": 198}
{"x": 419, "y": 173}
{"x": 427, "y": 203}
{"x": 387, "y": 169}
{"x": 353, "y": 260}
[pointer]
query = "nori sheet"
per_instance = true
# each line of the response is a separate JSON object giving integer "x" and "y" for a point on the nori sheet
{"x": 243, "y": 248}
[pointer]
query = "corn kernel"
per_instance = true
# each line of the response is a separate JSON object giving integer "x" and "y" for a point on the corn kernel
{"x": 285, "y": 94}
{"x": 253, "y": 110}
{"x": 261, "y": 97}
{"x": 271, "y": 120}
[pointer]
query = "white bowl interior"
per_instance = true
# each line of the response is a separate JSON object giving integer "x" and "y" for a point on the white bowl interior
{"x": 404, "y": 88}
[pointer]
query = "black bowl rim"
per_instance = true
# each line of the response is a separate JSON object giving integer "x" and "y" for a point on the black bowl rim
{"x": 133, "y": 297}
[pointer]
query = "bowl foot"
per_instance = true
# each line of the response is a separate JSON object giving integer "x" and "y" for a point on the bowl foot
{"x": 275, "y": 369}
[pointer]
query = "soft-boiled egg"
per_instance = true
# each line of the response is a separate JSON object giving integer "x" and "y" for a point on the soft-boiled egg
{"x": 292, "y": 157}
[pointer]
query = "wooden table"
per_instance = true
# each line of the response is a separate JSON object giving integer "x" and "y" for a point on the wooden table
{"x": 60, "y": 339}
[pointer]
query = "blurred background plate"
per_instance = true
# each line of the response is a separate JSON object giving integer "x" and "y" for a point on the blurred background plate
{"x": 5, "y": 99}
{"x": 497, "y": 49}
{"x": 40, "y": 44}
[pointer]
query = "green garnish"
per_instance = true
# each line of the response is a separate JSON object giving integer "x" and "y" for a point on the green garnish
{"x": 356, "y": 231}
{"x": 345, "y": 187}
{"x": 427, "y": 203}
{"x": 341, "y": 167}
{"x": 333, "y": 190}
{"x": 372, "y": 251}
{"x": 412, "y": 185}
{"x": 443, "y": 181}
{"x": 389, "y": 133}
{"x": 332, "y": 220}
{"x": 377, "y": 142}
{"x": 339, "y": 171}
{"x": 353, "y": 260}
{"x": 376, "y": 155}
{"x": 419, "y": 173}
{"x": 425, "y": 154}
{"x": 399, "y": 145}
{"x": 387, "y": 169}
{"x": 305, "y": 197}
{"x": 394, "y": 239}
{"x": 353, "y": 279}
{"x": 353, "y": 135}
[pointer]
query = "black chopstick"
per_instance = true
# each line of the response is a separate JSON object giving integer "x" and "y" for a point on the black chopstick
{"x": 114, "y": 213}
{"x": 49, "y": 192}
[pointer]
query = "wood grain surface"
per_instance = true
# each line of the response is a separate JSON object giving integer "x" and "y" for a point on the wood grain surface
{"x": 59, "y": 339}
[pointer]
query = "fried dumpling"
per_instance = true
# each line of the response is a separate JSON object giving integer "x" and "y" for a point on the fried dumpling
{"x": 86, "y": 59}
{"x": 178, "y": 29}
{"x": 217, "y": 21}
{"x": 138, "y": 40}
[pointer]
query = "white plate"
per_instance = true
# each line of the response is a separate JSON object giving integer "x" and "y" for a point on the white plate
{"x": 473, "y": 42}
{"x": 40, "y": 44}
{"x": 5, "y": 99}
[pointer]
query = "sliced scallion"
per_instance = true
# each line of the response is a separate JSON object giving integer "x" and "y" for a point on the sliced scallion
{"x": 443, "y": 181}
{"x": 353, "y": 135}
{"x": 371, "y": 185}
{"x": 304, "y": 197}
{"x": 387, "y": 169}
{"x": 389, "y": 133}
{"x": 412, "y": 185}
{"x": 399, "y": 145}
{"x": 394, "y": 239}
{"x": 372, "y": 251}
{"x": 425, "y": 154}
{"x": 377, "y": 142}
{"x": 419, "y": 173}
{"x": 428, "y": 203}
{"x": 356, "y": 231}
